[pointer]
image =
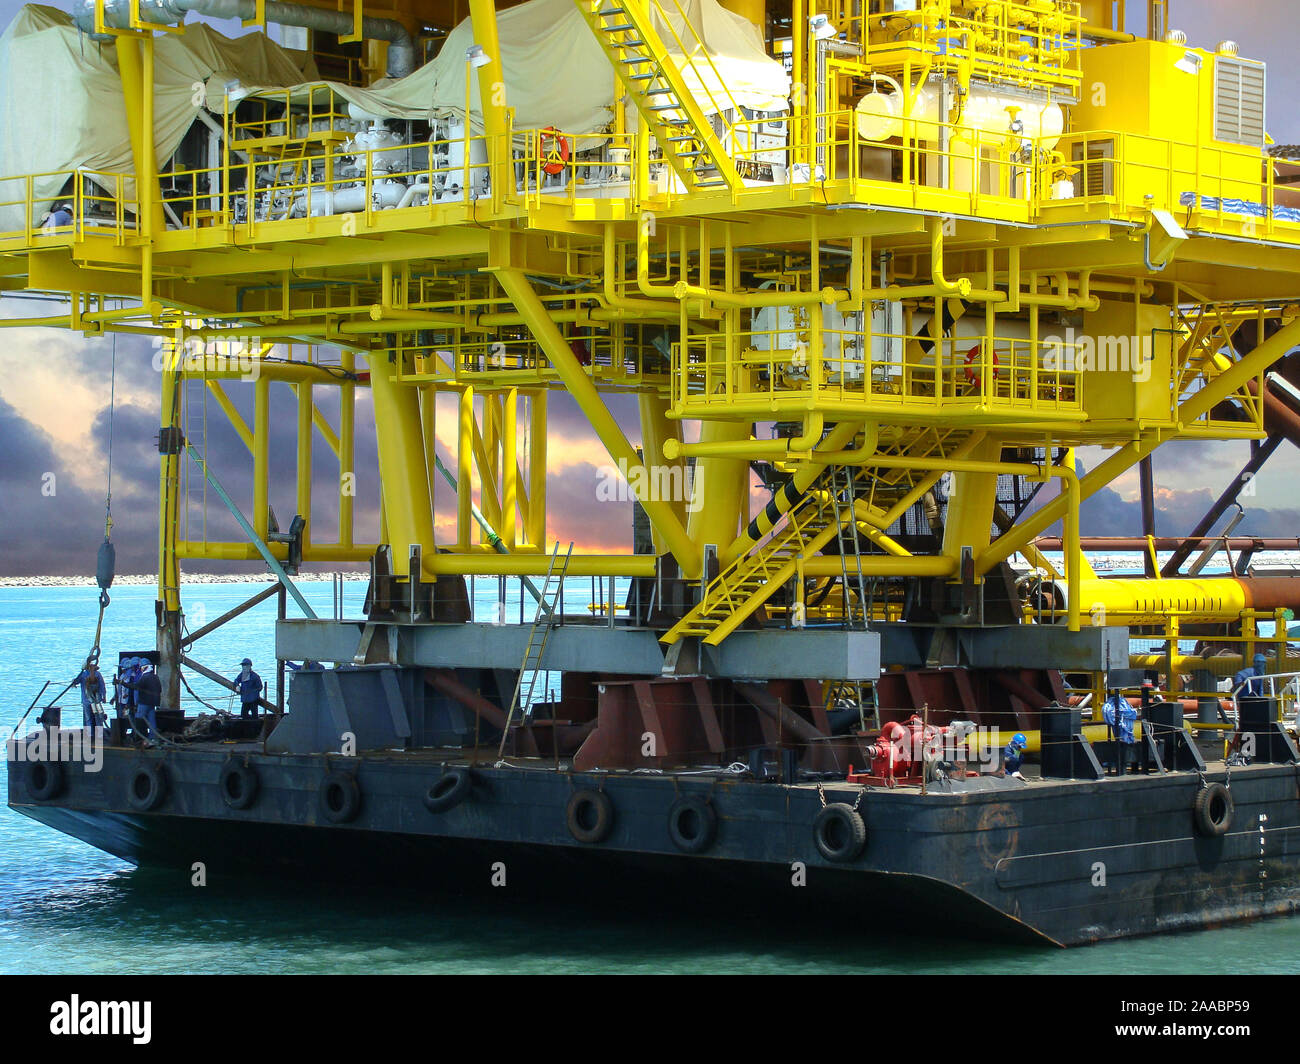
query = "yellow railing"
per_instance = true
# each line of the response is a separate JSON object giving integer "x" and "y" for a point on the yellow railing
{"x": 97, "y": 199}
{"x": 766, "y": 367}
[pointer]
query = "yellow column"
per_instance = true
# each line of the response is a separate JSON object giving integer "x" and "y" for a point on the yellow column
{"x": 261, "y": 455}
{"x": 509, "y": 468}
{"x": 655, "y": 429}
{"x": 537, "y": 467}
{"x": 403, "y": 479}
{"x": 465, "y": 470}
{"x": 428, "y": 432}
{"x": 589, "y": 401}
{"x": 305, "y": 431}
{"x": 718, "y": 496}
{"x": 970, "y": 507}
{"x": 347, "y": 450}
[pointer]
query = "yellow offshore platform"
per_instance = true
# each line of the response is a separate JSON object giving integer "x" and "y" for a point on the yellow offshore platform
{"x": 897, "y": 259}
{"x": 865, "y": 245}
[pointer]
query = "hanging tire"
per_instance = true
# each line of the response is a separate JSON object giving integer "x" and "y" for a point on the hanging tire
{"x": 45, "y": 780}
{"x": 692, "y": 823}
{"x": 589, "y": 816}
{"x": 340, "y": 797}
{"x": 239, "y": 784}
{"x": 1213, "y": 810}
{"x": 449, "y": 789}
{"x": 839, "y": 832}
{"x": 147, "y": 787}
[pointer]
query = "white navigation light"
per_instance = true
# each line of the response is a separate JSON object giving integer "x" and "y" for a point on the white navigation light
{"x": 821, "y": 28}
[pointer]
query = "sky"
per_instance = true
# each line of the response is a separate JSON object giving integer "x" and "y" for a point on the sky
{"x": 55, "y": 428}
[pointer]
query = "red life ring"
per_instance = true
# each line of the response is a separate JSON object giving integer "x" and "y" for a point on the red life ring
{"x": 554, "y": 150}
{"x": 973, "y": 357}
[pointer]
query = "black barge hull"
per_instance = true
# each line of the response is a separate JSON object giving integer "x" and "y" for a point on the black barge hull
{"x": 1055, "y": 862}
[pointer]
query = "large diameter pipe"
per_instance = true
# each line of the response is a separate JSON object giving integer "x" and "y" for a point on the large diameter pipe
{"x": 401, "y": 47}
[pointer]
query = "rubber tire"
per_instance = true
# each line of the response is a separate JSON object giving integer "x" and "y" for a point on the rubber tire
{"x": 696, "y": 811}
{"x": 245, "y": 780}
{"x": 1203, "y": 809}
{"x": 575, "y": 814}
{"x": 449, "y": 789}
{"x": 839, "y": 832}
{"x": 344, "y": 786}
{"x": 153, "y": 777}
{"x": 45, "y": 780}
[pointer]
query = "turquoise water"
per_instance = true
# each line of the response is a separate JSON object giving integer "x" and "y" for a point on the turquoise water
{"x": 67, "y": 908}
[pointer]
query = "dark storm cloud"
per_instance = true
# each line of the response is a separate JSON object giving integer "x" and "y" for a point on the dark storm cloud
{"x": 58, "y": 533}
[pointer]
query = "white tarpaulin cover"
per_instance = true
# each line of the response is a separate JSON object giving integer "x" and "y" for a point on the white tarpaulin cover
{"x": 61, "y": 105}
{"x": 557, "y": 75}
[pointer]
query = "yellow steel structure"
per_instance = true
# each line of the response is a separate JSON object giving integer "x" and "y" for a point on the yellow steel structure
{"x": 982, "y": 231}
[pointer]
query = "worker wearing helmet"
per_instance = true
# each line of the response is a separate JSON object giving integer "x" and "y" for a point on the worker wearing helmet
{"x": 249, "y": 687}
{"x": 1248, "y": 680}
{"x": 1013, "y": 755}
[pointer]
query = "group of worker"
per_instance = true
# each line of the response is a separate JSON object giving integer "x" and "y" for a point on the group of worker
{"x": 138, "y": 694}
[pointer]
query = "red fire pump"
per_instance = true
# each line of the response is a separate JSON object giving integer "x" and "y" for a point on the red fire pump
{"x": 901, "y": 752}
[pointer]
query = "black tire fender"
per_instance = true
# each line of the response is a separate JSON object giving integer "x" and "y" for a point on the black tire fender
{"x": 839, "y": 832}
{"x": 239, "y": 784}
{"x": 45, "y": 780}
{"x": 692, "y": 823}
{"x": 1213, "y": 810}
{"x": 589, "y": 815}
{"x": 449, "y": 789}
{"x": 340, "y": 797}
{"x": 147, "y": 787}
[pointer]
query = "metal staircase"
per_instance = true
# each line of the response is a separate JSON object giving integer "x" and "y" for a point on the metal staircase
{"x": 625, "y": 30}
{"x": 751, "y": 580}
{"x": 544, "y": 620}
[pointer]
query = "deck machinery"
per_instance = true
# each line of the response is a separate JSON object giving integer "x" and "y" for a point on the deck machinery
{"x": 894, "y": 259}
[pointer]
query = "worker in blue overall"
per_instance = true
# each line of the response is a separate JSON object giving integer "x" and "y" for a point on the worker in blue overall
{"x": 1013, "y": 755}
{"x": 93, "y": 693}
{"x": 1122, "y": 718}
{"x": 148, "y": 696}
{"x": 249, "y": 687}
{"x": 1249, "y": 680}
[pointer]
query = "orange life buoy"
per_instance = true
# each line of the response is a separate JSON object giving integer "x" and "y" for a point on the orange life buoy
{"x": 555, "y": 151}
{"x": 973, "y": 357}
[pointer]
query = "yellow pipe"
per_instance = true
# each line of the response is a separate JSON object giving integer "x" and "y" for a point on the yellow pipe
{"x": 680, "y": 290}
{"x": 589, "y": 400}
{"x": 937, "y": 565}
{"x": 491, "y": 564}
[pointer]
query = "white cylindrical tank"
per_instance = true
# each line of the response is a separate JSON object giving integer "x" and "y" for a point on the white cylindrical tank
{"x": 880, "y": 116}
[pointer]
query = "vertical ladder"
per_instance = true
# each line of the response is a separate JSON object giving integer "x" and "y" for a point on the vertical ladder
{"x": 640, "y": 58}
{"x": 544, "y": 619}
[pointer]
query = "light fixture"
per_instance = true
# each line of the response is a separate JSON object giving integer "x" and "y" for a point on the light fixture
{"x": 1190, "y": 63}
{"x": 476, "y": 57}
{"x": 820, "y": 27}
